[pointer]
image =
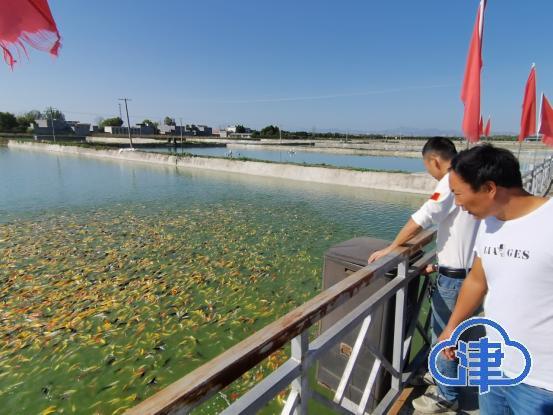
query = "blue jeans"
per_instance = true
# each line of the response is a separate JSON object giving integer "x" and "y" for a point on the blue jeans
{"x": 443, "y": 302}
{"x": 516, "y": 400}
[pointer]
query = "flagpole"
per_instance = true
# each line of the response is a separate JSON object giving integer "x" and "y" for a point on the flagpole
{"x": 541, "y": 110}
{"x": 537, "y": 120}
{"x": 535, "y": 82}
{"x": 471, "y": 87}
{"x": 480, "y": 30}
{"x": 538, "y": 116}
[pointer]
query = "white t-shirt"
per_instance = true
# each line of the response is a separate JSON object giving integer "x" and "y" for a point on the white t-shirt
{"x": 457, "y": 229}
{"x": 517, "y": 256}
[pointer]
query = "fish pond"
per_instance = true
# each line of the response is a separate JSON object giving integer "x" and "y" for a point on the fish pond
{"x": 297, "y": 156}
{"x": 119, "y": 278}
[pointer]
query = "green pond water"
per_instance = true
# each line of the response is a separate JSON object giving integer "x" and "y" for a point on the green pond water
{"x": 119, "y": 278}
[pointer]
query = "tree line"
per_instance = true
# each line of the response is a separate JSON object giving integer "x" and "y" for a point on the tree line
{"x": 11, "y": 123}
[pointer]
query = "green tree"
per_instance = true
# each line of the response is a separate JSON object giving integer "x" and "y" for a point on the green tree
{"x": 53, "y": 113}
{"x": 151, "y": 123}
{"x": 270, "y": 131}
{"x": 169, "y": 121}
{"x": 240, "y": 129}
{"x": 25, "y": 120}
{"x": 112, "y": 122}
{"x": 8, "y": 122}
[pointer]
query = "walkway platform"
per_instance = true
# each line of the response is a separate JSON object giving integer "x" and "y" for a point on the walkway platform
{"x": 468, "y": 402}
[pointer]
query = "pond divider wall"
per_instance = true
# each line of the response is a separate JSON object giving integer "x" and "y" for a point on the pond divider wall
{"x": 400, "y": 182}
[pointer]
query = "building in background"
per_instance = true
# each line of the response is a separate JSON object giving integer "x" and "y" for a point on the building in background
{"x": 79, "y": 128}
{"x": 187, "y": 130}
{"x": 138, "y": 130}
{"x": 43, "y": 126}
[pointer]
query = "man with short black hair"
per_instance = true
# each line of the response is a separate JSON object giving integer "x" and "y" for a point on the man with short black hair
{"x": 512, "y": 274}
{"x": 439, "y": 146}
{"x": 454, "y": 250}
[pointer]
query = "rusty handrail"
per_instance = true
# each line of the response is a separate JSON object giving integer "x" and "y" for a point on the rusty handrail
{"x": 213, "y": 376}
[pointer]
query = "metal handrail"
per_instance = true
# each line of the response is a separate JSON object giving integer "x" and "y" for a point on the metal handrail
{"x": 538, "y": 180}
{"x": 190, "y": 391}
{"x": 204, "y": 382}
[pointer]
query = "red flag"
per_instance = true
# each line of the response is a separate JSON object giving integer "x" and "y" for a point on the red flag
{"x": 546, "y": 122}
{"x": 528, "y": 119}
{"x": 30, "y": 22}
{"x": 488, "y": 128}
{"x": 480, "y": 127}
{"x": 470, "y": 92}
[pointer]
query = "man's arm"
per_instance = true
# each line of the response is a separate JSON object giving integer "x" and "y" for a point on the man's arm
{"x": 471, "y": 297}
{"x": 410, "y": 229}
{"x": 432, "y": 212}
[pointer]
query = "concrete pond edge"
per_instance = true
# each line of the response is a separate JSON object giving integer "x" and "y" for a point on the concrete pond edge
{"x": 419, "y": 183}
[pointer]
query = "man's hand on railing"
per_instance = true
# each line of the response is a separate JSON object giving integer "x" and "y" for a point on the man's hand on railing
{"x": 409, "y": 230}
{"x": 430, "y": 268}
{"x": 448, "y": 352}
{"x": 379, "y": 254}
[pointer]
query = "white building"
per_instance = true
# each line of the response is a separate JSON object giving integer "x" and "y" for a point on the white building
{"x": 138, "y": 130}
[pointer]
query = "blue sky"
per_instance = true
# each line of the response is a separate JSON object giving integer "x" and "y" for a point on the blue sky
{"x": 329, "y": 65}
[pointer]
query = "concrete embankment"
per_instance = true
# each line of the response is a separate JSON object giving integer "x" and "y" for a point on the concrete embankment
{"x": 123, "y": 140}
{"x": 401, "y": 182}
{"x": 386, "y": 148}
{"x": 330, "y": 150}
{"x": 378, "y": 148}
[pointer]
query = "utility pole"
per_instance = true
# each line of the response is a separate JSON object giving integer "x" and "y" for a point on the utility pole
{"x": 280, "y": 142}
{"x": 120, "y": 114}
{"x": 128, "y": 122}
{"x": 52, "y": 121}
{"x": 181, "y": 133}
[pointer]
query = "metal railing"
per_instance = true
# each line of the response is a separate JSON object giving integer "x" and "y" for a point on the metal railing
{"x": 538, "y": 180}
{"x": 206, "y": 381}
{"x": 190, "y": 391}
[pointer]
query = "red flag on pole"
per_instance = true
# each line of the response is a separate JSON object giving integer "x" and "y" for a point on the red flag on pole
{"x": 546, "y": 121}
{"x": 27, "y": 22}
{"x": 488, "y": 128}
{"x": 470, "y": 92}
{"x": 480, "y": 127}
{"x": 528, "y": 118}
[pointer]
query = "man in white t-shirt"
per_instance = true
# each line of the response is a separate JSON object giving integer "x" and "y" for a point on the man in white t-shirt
{"x": 512, "y": 274}
{"x": 454, "y": 250}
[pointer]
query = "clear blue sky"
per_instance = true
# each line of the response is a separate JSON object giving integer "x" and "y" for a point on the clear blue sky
{"x": 359, "y": 65}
